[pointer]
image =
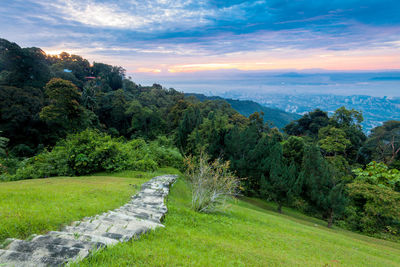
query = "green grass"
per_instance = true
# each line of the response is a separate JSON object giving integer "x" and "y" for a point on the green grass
{"x": 36, "y": 206}
{"x": 249, "y": 233}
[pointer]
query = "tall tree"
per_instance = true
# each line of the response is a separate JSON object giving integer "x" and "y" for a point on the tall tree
{"x": 191, "y": 119}
{"x": 22, "y": 66}
{"x": 384, "y": 142}
{"x": 320, "y": 186}
{"x": 279, "y": 184}
{"x": 64, "y": 108}
{"x": 309, "y": 124}
{"x": 293, "y": 149}
{"x": 19, "y": 116}
{"x": 89, "y": 96}
{"x": 349, "y": 121}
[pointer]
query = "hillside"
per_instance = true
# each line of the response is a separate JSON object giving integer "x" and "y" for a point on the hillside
{"x": 248, "y": 234}
{"x": 375, "y": 110}
{"x": 40, "y": 205}
{"x": 277, "y": 117}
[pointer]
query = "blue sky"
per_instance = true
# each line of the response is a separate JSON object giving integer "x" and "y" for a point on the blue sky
{"x": 163, "y": 37}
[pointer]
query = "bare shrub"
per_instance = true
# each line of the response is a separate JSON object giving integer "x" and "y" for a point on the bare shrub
{"x": 211, "y": 183}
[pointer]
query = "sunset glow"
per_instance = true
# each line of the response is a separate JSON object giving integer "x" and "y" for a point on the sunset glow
{"x": 148, "y": 37}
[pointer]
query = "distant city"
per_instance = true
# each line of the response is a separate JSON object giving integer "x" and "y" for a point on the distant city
{"x": 375, "y": 110}
{"x": 376, "y": 94}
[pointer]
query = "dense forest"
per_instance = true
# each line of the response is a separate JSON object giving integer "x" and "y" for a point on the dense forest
{"x": 62, "y": 115}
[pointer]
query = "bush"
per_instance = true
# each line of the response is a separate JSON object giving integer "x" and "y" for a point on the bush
{"x": 45, "y": 164}
{"x": 374, "y": 209}
{"x": 9, "y": 165}
{"x": 211, "y": 184}
{"x": 91, "y": 151}
{"x": 166, "y": 155}
{"x": 377, "y": 173}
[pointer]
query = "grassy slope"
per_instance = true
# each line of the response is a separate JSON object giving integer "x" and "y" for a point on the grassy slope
{"x": 36, "y": 206}
{"x": 248, "y": 234}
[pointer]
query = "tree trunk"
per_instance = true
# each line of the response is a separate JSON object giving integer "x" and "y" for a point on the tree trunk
{"x": 330, "y": 218}
{"x": 280, "y": 207}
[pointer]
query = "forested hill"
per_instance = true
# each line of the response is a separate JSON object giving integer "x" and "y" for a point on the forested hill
{"x": 277, "y": 117}
{"x": 62, "y": 115}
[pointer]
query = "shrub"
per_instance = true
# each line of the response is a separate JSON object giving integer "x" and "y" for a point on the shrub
{"x": 374, "y": 209}
{"x": 45, "y": 164}
{"x": 22, "y": 150}
{"x": 211, "y": 184}
{"x": 9, "y": 165}
{"x": 377, "y": 173}
{"x": 91, "y": 151}
{"x": 166, "y": 155}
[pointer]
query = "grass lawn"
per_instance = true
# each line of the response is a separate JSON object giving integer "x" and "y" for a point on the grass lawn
{"x": 40, "y": 205}
{"x": 248, "y": 234}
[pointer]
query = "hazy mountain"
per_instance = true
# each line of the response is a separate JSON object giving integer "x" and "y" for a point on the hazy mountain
{"x": 277, "y": 117}
{"x": 375, "y": 110}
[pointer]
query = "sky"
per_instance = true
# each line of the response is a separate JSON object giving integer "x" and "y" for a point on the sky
{"x": 168, "y": 38}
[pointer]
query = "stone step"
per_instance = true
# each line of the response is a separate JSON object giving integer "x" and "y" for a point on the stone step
{"x": 152, "y": 208}
{"x": 42, "y": 249}
{"x": 139, "y": 212}
{"x": 9, "y": 258}
{"x": 155, "y": 185}
{"x": 142, "y": 214}
{"x": 113, "y": 218}
{"x": 67, "y": 242}
{"x": 135, "y": 208}
{"x": 102, "y": 227}
{"x": 155, "y": 197}
{"x": 113, "y": 232}
{"x": 115, "y": 215}
{"x": 149, "y": 199}
{"x": 84, "y": 237}
{"x": 154, "y": 191}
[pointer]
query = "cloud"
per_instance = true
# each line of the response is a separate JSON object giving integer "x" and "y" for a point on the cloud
{"x": 141, "y": 16}
{"x": 148, "y": 70}
{"x": 213, "y": 34}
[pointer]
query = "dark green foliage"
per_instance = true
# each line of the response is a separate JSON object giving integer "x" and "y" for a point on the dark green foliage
{"x": 333, "y": 141}
{"x": 191, "y": 119}
{"x": 19, "y": 116}
{"x": 3, "y": 144}
{"x": 64, "y": 108}
{"x": 349, "y": 121}
{"x": 90, "y": 152}
{"x": 111, "y": 75}
{"x": 377, "y": 173}
{"x": 279, "y": 185}
{"x": 22, "y": 67}
{"x": 146, "y": 121}
{"x": 309, "y": 124}
{"x": 89, "y": 96}
{"x": 293, "y": 149}
{"x": 374, "y": 209}
{"x": 278, "y": 118}
{"x": 384, "y": 142}
{"x": 320, "y": 186}
{"x": 77, "y": 68}
{"x": 247, "y": 149}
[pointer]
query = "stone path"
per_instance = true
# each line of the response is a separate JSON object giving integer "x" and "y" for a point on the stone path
{"x": 142, "y": 214}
